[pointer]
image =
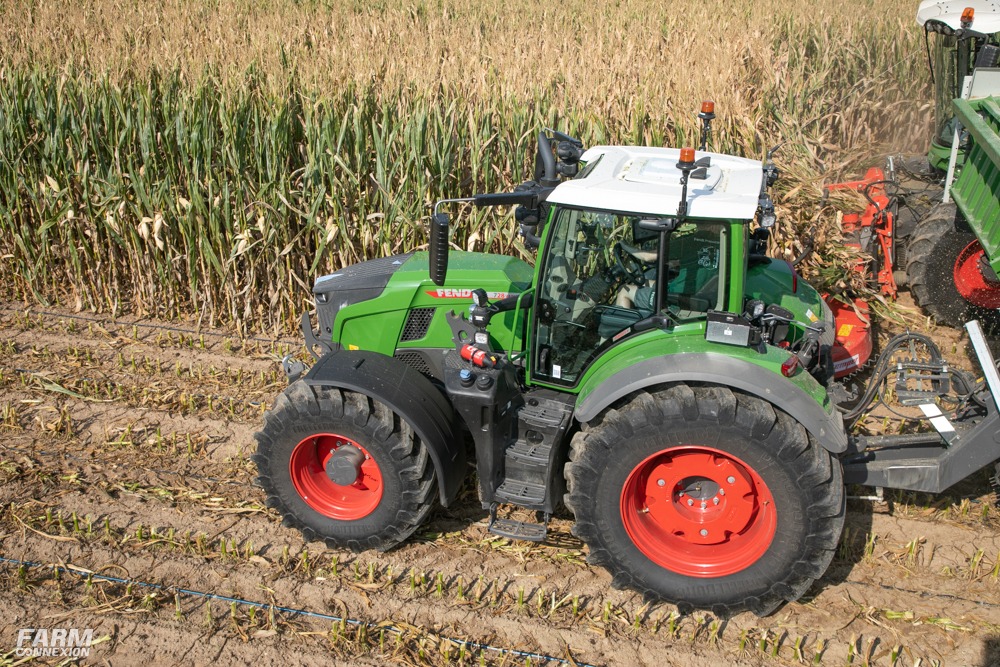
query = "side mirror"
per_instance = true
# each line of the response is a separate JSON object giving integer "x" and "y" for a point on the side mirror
{"x": 438, "y": 248}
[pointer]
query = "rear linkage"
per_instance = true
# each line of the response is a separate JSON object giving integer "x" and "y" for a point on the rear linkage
{"x": 962, "y": 442}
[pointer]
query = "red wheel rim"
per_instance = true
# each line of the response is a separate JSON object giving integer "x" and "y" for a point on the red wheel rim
{"x": 970, "y": 281}
{"x": 698, "y": 511}
{"x": 307, "y": 467}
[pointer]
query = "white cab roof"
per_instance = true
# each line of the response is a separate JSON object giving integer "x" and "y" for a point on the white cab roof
{"x": 644, "y": 180}
{"x": 986, "y": 18}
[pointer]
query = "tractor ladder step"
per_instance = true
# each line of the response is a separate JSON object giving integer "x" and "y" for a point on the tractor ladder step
{"x": 520, "y": 493}
{"x": 518, "y": 530}
{"x": 547, "y": 414}
{"x": 531, "y": 478}
{"x": 528, "y": 454}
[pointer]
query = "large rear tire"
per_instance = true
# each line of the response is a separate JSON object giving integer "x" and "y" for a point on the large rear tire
{"x": 395, "y": 487}
{"x": 930, "y": 265}
{"x": 644, "y": 479}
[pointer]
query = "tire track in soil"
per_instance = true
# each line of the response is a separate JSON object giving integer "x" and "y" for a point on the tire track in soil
{"x": 429, "y": 559}
{"x": 506, "y": 629}
{"x": 140, "y": 641}
{"x": 953, "y": 544}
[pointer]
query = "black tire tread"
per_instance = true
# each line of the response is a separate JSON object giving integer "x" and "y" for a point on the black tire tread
{"x": 924, "y": 270}
{"x": 382, "y": 424}
{"x": 817, "y": 472}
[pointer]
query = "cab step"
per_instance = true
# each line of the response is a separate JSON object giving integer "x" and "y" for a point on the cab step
{"x": 532, "y": 476}
{"x": 518, "y": 530}
{"x": 520, "y": 493}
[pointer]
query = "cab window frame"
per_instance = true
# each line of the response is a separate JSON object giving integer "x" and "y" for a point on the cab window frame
{"x": 725, "y": 267}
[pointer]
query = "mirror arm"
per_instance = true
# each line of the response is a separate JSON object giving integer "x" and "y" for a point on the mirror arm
{"x": 451, "y": 201}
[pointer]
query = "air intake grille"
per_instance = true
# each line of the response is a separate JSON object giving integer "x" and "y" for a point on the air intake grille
{"x": 414, "y": 360}
{"x": 416, "y": 323}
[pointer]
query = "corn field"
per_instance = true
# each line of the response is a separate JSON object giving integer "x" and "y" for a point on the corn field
{"x": 208, "y": 160}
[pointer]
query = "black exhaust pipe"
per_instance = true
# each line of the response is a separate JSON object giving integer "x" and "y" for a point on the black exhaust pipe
{"x": 545, "y": 163}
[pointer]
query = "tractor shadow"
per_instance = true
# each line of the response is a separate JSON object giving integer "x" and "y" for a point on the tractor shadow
{"x": 990, "y": 656}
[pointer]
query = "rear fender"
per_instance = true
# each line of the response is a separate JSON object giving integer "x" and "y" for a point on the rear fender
{"x": 410, "y": 395}
{"x": 826, "y": 426}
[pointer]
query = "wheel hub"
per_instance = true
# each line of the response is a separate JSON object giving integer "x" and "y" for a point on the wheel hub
{"x": 698, "y": 511}
{"x": 705, "y": 508}
{"x": 343, "y": 467}
{"x": 975, "y": 278}
{"x": 335, "y": 476}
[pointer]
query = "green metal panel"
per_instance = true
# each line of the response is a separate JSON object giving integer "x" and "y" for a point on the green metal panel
{"x": 774, "y": 283}
{"x": 977, "y": 189}
{"x": 938, "y": 156}
{"x": 376, "y": 324}
{"x": 688, "y": 338}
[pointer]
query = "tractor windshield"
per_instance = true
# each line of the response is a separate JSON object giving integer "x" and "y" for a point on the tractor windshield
{"x": 599, "y": 277}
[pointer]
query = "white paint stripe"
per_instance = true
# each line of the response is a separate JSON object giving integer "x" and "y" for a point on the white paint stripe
{"x": 942, "y": 425}
{"x": 930, "y": 409}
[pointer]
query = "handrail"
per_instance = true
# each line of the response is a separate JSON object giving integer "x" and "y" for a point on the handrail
{"x": 514, "y": 330}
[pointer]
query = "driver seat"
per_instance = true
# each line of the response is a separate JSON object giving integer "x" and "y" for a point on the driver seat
{"x": 616, "y": 318}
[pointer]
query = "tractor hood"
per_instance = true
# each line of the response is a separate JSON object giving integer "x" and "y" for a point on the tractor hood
{"x": 369, "y": 306}
{"x": 499, "y": 275}
{"x": 352, "y": 284}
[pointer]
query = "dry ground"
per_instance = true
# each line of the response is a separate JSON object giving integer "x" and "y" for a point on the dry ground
{"x": 124, "y": 454}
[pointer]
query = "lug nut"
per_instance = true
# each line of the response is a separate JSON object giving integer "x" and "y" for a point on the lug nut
{"x": 704, "y": 533}
{"x": 690, "y": 502}
{"x": 680, "y": 494}
{"x": 715, "y": 501}
{"x": 660, "y": 482}
{"x": 722, "y": 492}
{"x": 704, "y": 504}
{"x": 731, "y": 479}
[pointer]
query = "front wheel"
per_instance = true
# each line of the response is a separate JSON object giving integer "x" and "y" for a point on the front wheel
{"x": 343, "y": 468}
{"x": 707, "y": 498}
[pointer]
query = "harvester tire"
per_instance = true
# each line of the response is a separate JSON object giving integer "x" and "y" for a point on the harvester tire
{"x": 394, "y": 488}
{"x": 930, "y": 265}
{"x": 644, "y": 477}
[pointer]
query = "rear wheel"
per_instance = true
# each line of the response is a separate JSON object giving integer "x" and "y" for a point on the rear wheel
{"x": 343, "y": 468}
{"x": 705, "y": 497}
{"x": 934, "y": 248}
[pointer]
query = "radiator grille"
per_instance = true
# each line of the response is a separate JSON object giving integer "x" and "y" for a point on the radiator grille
{"x": 417, "y": 323}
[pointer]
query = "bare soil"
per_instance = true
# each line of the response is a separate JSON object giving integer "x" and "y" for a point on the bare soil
{"x": 124, "y": 454}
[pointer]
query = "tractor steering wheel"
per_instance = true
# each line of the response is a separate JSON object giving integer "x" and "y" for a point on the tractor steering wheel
{"x": 630, "y": 268}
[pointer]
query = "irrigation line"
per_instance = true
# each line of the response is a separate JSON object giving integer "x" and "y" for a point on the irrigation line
{"x": 151, "y": 326}
{"x": 107, "y": 460}
{"x": 923, "y": 594}
{"x": 458, "y": 643}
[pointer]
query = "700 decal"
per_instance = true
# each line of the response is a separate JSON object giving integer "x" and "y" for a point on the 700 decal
{"x": 464, "y": 294}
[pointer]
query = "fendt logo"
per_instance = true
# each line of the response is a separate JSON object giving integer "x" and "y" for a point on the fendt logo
{"x": 55, "y": 643}
{"x": 463, "y": 294}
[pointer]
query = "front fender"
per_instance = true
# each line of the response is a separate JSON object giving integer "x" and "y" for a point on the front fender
{"x": 827, "y": 426}
{"x": 410, "y": 395}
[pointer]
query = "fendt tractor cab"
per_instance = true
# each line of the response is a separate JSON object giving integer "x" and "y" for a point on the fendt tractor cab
{"x": 966, "y": 37}
{"x": 653, "y": 371}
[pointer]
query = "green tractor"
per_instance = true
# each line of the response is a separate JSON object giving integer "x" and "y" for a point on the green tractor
{"x": 653, "y": 371}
